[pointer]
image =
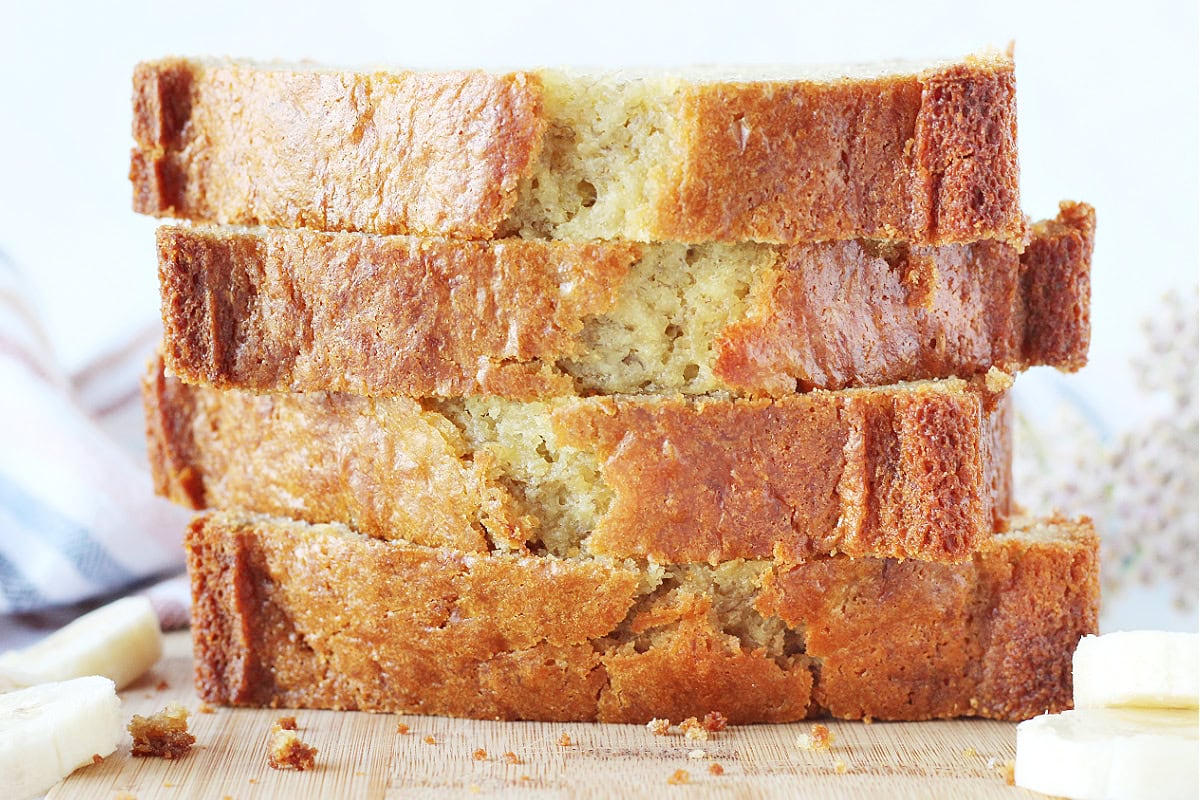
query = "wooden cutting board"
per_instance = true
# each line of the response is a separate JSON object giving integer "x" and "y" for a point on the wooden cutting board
{"x": 363, "y": 756}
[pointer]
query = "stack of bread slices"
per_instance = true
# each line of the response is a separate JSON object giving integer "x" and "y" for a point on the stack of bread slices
{"x": 610, "y": 396}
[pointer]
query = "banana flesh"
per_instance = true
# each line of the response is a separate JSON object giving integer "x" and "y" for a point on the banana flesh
{"x": 47, "y": 731}
{"x": 1143, "y": 669}
{"x": 119, "y": 641}
{"x": 1134, "y": 731}
{"x": 1102, "y": 753}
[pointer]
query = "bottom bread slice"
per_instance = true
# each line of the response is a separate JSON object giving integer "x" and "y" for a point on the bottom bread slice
{"x": 290, "y": 614}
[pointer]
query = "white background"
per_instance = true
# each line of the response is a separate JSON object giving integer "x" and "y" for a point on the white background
{"x": 1107, "y": 96}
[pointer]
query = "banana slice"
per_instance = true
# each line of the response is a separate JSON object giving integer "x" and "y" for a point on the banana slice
{"x": 47, "y": 731}
{"x": 1101, "y": 753}
{"x": 119, "y": 641}
{"x": 1146, "y": 669}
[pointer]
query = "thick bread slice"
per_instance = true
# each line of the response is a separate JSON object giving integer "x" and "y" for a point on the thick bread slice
{"x": 295, "y": 615}
{"x": 918, "y": 471}
{"x": 923, "y": 152}
{"x": 272, "y": 309}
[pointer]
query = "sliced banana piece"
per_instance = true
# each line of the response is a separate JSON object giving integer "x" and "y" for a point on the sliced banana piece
{"x": 119, "y": 641}
{"x": 1119, "y": 753}
{"x": 47, "y": 731}
{"x": 1145, "y": 669}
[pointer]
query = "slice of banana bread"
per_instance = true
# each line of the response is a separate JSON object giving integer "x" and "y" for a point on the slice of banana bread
{"x": 924, "y": 152}
{"x": 272, "y": 309}
{"x": 916, "y": 471}
{"x": 296, "y": 615}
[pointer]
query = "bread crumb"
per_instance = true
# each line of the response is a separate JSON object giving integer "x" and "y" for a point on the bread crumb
{"x": 970, "y": 751}
{"x": 402, "y": 728}
{"x": 473, "y": 788}
{"x": 525, "y": 778}
{"x": 512, "y": 758}
{"x": 997, "y": 380}
{"x": 679, "y": 777}
{"x": 819, "y": 738}
{"x": 715, "y": 769}
{"x": 658, "y": 726}
{"x": 286, "y": 751}
{"x": 97, "y": 758}
{"x": 162, "y": 735}
{"x": 205, "y": 708}
{"x": 839, "y": 767}
{"x": 693, "y": 729}
{"x": 715, "y": 722}
{"x": 868, "y": 719}
{"x": 480, "y": 755}
{"x": 1009, "y": 769}
{"x": 697, "y": 754}
{"x": 564, "y": 741}
{"x": 430, "y": 739}
{"x": 162, "y": 686}
{"x": 286, "y": 723}
{"x": 822, "y": 737}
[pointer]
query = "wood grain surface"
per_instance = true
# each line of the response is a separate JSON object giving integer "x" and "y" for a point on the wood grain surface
{"x": 363, "y": 756}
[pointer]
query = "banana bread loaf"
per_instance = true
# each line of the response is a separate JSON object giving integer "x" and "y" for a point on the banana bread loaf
{"x": 296, "y": 615}
{"x": 924, "y": 152}
{"x": 272, "y": 309}
{"x": 917, "y": 471}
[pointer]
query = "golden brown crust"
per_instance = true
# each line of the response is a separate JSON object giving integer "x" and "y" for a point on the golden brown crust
{"x": 1046, "y": 600}
{"x": 1056, "y": 289}
{"x": 888, "y": 472}
{"x": 965, "y": 151}
{"x": 384, "y": 152}
{"x": 385, "y": 467}
{"x": 698, "y": 668}
{"x": 916, "y": 472}
{"x": 170, "y": 445}
{"x": 929, "y": 158}
{"x": 303, "y": 616}
{"x": 856, "y": 313}
{"x": 312, "y": 311}
{"x": 405, "y": 621}
{"x": 991, "y": 637}
{"x": 303, "y": 311}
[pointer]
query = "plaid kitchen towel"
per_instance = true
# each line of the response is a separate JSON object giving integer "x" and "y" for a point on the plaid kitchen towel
{"x": 78, "y": 514}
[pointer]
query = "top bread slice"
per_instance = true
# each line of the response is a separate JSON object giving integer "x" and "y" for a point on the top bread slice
{"x": 921, "y": 152}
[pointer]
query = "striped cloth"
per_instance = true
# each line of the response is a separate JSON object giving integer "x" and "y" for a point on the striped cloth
{"x": 78, "y": 515}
